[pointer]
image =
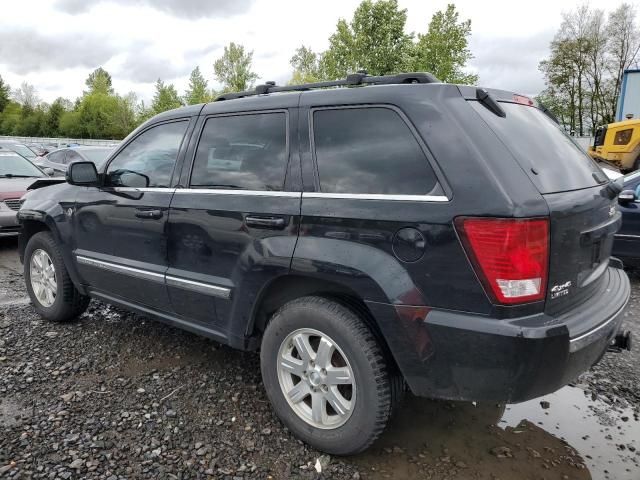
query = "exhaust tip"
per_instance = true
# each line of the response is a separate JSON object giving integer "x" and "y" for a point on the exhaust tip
{"x": 622, "y": 341}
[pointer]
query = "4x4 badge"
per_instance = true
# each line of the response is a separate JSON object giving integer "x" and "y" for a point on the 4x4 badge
{"x": 560, "y": 290}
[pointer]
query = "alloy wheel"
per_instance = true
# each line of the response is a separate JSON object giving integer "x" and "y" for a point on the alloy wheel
{"x": 316, "y": 378}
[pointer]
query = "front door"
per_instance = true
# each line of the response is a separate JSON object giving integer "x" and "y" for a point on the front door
{"x": 120, "y": 228}
{"x": 234, "y": 228}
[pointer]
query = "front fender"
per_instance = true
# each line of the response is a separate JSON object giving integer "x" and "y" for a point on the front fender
{"x": 42, "y": 208}
{"x": 373, "y": 274}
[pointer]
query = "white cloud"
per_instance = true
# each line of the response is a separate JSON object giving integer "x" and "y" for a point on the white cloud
{"x": 55, "y": 44}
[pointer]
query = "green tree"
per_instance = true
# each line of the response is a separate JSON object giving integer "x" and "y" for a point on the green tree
{"x": 233, "y": 69}
{"x": 444, "y": 49}
{"x": 123, "y": 119}
{"x": 96, "y": 114}
{"x": 11, "y": 119}
{"x": 5, "y": 93}
{"x": 165, "y": 98}
{"x": 198, "y": 91}
{"x": 374, "y": 40}
{"x": 306, "y": 66}
{"x": 99, "y": 81}
{"x": 71, "y": 125}
{"x": 53, "y": 115}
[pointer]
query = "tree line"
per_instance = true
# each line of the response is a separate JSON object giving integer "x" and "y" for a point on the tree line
{"x": 375, "y": 40}
{"x": 583, "y": 73}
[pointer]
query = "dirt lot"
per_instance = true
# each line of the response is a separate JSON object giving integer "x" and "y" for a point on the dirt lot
{"x": 116, "y": 396}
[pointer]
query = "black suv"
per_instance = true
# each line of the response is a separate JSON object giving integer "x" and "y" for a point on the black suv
{"x": 361, "y": 234}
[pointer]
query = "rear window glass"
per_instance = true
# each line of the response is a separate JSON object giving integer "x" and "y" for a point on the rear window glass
{"x": 369, "y": 151}
{"x": 553, "y": 161}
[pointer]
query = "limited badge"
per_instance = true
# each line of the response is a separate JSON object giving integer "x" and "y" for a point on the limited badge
{"x": 560, "y": 290}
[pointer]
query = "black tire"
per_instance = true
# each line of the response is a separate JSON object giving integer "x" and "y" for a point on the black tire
{"x": 376, "y": 391}
{"x": 69, "y": 303}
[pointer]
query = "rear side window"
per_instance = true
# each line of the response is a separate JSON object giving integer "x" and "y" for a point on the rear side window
{"x": 369, "y": 151}
{"x": 242, "y": 151}
{"x": 544, "y": 151}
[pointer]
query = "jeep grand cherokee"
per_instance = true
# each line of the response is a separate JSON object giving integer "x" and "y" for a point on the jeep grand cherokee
{"x": 363, "y": 235}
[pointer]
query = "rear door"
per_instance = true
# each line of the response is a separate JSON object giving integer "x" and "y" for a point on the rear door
{"x": 583, "y": 218}
{"x": 233, "y": 227}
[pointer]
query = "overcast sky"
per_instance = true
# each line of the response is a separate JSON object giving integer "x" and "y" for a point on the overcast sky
{"x": 55, "y": 44}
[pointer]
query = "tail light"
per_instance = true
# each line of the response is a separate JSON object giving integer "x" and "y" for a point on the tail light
{"x": 510, "y": 255}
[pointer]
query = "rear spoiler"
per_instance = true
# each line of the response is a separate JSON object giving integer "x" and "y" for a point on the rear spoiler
{"x": 46, "y": 182}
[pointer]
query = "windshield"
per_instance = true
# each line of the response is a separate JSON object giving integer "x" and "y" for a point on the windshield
{"x": 551, "y": 159}
{"x": 97, "y": 155}
{"x": 21, "y": 149}
{"x": 14, "y": 165}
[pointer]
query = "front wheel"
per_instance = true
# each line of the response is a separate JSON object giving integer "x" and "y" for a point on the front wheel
{"x": 52, "y": 292}
{"x": 326, "y": 375}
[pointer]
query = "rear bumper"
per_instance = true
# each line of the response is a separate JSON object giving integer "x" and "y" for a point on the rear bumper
{"x": 462, "y": 356}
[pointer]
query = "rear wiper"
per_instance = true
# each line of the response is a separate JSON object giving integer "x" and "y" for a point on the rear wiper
{"x": 485, "y": 99}
{"x": 11, "y": 175}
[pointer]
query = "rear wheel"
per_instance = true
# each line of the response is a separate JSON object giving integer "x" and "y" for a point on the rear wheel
{"x": 51, "y": 290}
{"x": 326, "y": 375}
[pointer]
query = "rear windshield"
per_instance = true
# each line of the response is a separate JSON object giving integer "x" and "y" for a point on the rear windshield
{"x": 553, "y": 161}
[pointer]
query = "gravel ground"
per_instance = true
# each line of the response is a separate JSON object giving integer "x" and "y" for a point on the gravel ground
{"x": 117, "y": 396}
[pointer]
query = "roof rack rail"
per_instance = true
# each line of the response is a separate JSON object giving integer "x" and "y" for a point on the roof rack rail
{"x": 353, "y": 79}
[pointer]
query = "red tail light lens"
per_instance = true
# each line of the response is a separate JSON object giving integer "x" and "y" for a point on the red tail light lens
{"x": 510, "y": 255}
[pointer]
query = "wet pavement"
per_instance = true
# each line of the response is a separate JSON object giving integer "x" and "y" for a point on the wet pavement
{"x": 590, "y": 430}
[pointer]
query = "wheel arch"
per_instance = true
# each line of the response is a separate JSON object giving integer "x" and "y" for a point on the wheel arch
{"x": 44, "y": 223}
{"x": 290, "y": 287}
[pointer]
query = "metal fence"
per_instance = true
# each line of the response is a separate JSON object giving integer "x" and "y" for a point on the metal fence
{"x": 58, "y": 141}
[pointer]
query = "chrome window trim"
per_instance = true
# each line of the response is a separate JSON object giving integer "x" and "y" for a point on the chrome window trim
{"x": 199, "y": 287}
{"x": 622, "y": 235}
{"x": 255, "y": 193}
{"x": 114, "y": 267}
{"x": 272, "y": 193}
{"x": 143, "y": 189}
{"x": 378, "y": 196}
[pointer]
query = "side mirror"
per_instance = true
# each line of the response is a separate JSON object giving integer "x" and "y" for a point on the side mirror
{"x": 83, "y": 174}
{"x": 49, "y": 171}
{"x": 627, "y": 196}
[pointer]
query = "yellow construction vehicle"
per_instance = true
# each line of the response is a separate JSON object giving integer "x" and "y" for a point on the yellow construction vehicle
{"x": 618, "y": 144}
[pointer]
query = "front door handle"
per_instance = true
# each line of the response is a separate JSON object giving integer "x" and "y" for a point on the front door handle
{"x": 151, "y": 214}
{"x": 265, "y": 222}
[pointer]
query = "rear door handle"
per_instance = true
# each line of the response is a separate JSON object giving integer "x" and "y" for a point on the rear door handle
{"x": 152, "y": 214}
{"x": 265, "y": 222}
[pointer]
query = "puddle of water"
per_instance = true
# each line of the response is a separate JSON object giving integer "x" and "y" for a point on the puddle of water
{"x": 609, "y": 445}
{"x": 429, "y": 440}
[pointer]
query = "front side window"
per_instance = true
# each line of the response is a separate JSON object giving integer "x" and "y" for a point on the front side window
{"x": 149, "y": 159}
{"x": 242, "y": 151}
{"x": 369, "y": 151}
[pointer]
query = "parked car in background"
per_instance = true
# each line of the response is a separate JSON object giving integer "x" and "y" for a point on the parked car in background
{"x": 16, "y": 174}
{"x": 445, "y": 237}
{"x": 20, "y": 148}
{"x": 627, "y": 241}
{"x": 38, "y": 148}
{"x": 60, "y": 159}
